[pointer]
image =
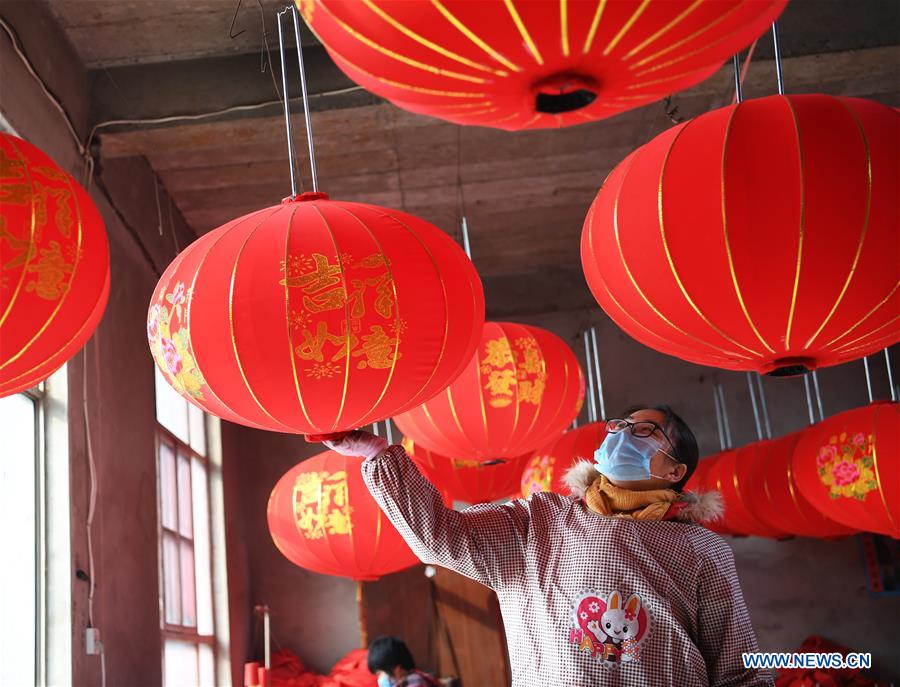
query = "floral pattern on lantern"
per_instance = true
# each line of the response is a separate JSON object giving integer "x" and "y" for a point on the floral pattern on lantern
{"x": 845, "y": 466}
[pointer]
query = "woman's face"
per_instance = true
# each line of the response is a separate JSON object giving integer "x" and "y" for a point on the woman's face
{"x": 667, "y": 470}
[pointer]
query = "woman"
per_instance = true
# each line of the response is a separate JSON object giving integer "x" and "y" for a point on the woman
{"x": 616, "y": 586}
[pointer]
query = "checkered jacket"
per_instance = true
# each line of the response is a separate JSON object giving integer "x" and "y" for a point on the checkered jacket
{"x": 586, "y": 600}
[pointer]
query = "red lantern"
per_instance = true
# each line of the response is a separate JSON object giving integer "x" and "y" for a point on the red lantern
{"x": 773, "y": 499}
{"x": 546, "y": 468}
{"x": 731, "y": 474}
{"x": 467, "y": 480}
{"x": 761, "y": 236}
{"x": 54, "y": 266}
{"x": 532, "y": 65}
{"x": 322, "y": 518}
{"x": 521, "y": 389}
{"x": 316, "y": 316}
{"x": 700, "y": 482}
{"x": 848, "y": 467}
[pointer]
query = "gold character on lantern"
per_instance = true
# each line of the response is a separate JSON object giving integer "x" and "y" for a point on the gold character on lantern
{"x": 321, "y": 504}
{"x": 51, "y": 269}
{"x": 378, "y": 348}
{"x": 500, "y": 384}
{"x": 311, "y": 347}
{"x": 23, "y": 249}
{"x": 497, "y": 353}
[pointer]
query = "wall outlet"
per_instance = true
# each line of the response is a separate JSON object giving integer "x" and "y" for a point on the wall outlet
{"x": 92, "y": 644}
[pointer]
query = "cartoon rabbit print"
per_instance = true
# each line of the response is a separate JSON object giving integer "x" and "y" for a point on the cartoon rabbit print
{"x": 620, "y": 622}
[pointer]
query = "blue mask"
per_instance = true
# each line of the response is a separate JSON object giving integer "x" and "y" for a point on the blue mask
{"x": 385, "y": 680}
{"x": 623, "y": 456}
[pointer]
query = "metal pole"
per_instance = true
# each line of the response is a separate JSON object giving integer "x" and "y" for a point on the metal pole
{"x": 762, "y": 404}
{"x": 309, "y": 133}
{"x": 777, "y": 47}
{"x": 809, "y": 405}
{"x": 724, "y": 416}
{"x": 375, "y": 429}
{"x": 387, "y": 430}
{"x": 868, "y": 379}
{"x": 287, "y": 109}
{"x": 815, "y": 378}
{"x": 267, "y": 638}
{"x": 719, "y": 419}
{"x": 887, "y": 361}
{"x": 592, "y": 411}
{"x": 597, "y": 374}
{"x": 759, "y": 432}
{"x": 464, "y": 224}
{"x": 738, "y": 93}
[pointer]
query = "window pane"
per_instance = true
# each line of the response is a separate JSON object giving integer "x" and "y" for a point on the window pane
{"x": 207, "y": 666}
{"x": 172, "y": 596}
{"x": 171, "y": 408}
{"x": 180, "y": 664}
{"x": 189, "y": 613}
{"x": 202, "y": 548}
{"x": 184, "y": 495}
{"x": 198, "y": 429}
{"x": 168, "y": 505}
{"x": 18, "y": 589}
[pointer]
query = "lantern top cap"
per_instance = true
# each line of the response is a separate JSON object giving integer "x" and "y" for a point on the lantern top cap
{"x": 303, "y": 197}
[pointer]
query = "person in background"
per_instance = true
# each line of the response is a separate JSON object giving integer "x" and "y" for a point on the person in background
{"x": 392, "y": 663}
{"x": 617, "y": 584}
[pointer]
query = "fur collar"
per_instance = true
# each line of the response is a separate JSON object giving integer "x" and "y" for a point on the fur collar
{"x": 704, "y": 506}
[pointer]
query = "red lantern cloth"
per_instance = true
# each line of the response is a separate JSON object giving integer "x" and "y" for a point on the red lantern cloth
{"x": 760, "y": 236}
{"x": 546, "y": 468}
{"x": 467, "y": 480}
{"x": 773, "y": 498}
{"x": 848, "y": 467}
{"x": 322, "y": 518}
{"x": 701, "y": 481}
{"x": 730, "y": 475}
{"x": 54, "y": 266}
{"x": 316, "y": 316}
{"x": 522, "y": 388}
{"x": 532, "y": 65}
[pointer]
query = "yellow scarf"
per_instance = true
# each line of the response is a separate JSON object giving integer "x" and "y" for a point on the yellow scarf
{"x": 606, "y": 498}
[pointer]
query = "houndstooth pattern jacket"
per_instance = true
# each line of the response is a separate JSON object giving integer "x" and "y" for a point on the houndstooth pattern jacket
{"x": 586, "y": 600}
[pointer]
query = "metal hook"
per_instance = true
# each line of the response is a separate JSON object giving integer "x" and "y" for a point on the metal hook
{"x": 725, "y": 422}
{"x": 777, "y": 47}
{"x": 309, "y": 132}
{"x": 231, "y": 33}
{"x": 287, "y": 107}
{"x": 738, "y": 91}
{"x": 759, "y": 433}
{"x": 809, "y": 404}
{"x": 719, "y": 419}
{"x": 887, "y": 361}
{"x": 597, "y": 373}
{"x": 763, "y": 406}
{"x": 592, "y": 410}
{"x": 815, "y": 378}
{"x": 868, "y": 379}
{"x": 464, "y": 226}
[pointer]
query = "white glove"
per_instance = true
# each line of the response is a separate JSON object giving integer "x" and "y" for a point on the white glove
{"x": 357, "y": 443}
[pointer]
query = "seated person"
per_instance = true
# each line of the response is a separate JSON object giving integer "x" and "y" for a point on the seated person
{"x": 390, "y": 660}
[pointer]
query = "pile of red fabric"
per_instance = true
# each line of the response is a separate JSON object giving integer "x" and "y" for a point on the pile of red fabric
{"x": 846, "y": 677}
{"x": 351, "y": 671}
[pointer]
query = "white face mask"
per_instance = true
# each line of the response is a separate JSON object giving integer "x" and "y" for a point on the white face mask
{"x": 385, "y": 680}
{"x": 623, "y": 456}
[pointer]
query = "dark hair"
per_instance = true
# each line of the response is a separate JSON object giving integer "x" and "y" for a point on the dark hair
{"x": 681, "y": 436}
{"x": 386, "y": 653}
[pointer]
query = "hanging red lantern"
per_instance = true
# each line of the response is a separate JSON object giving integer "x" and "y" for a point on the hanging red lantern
{"x": 760, "y": 236}
{"x": 532, "y": 65}
{"x": 700, "y": 482}
{"x": 773, "y": 498}
{"x": 322, "y": 518}
{"x": 545, "y": 469}
{"x": 731, "y": 474}
{"x": 467, "y": 480}
{"x": 316, "y": 316}
{"x": 522, "y": 388}
{"x": 54, "y": 266}
{"x": 848, "y": 468}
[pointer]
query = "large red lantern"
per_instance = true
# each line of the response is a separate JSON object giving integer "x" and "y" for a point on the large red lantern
{"x": 848, "y": 468}
{"x": 322, "y": 518}
{"x": 522, "y": 388}
{"x": 773, "y": 499}
{"x": 760, "y": 236}
{"x": 316, "y": 316}
{"x": 54, "y": 266}
{"x": 532, "y": 65}
{"x": 545, "y": 469}
{"x": 730, "y": 474}
{"x": 700, "y": 481}
{"x": 467, "y": 480}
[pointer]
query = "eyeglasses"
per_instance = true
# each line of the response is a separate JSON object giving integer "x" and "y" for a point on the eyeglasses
{"x": 641, "y": 428}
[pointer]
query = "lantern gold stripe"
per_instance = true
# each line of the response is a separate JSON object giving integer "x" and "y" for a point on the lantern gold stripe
{"x": 664, "y": 79}
{"x": 734, "y": 280}
{"x": 664, "y": 30}
{"x": 565, "y": 386}
{"x": 480, "y": 397}
{"x": 619, "y": 36}
{"x": 397, "y": 56}
{"x": 421, "y": 40}
{"x": 665, "y": 244}
{"x": 863, "y": 232}
{"x": 564, "y": 26}
{"x": 801, "y": 230}
{"x": 844, "y": 346}
{"x": 468, "y": 33}
{"x": 595, "y": 22}
{"x": 517, "y": 401}
{"x": 887, "y": 511}
{"x": 523, "y": 31}
{"x": 32, "y": 244}
{"x": 865, "y": 317}
{"x": 790, "y": 481}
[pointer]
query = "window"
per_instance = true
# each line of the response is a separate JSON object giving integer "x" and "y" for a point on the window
{"x": 185, "y": 547}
